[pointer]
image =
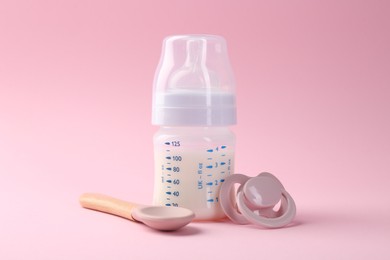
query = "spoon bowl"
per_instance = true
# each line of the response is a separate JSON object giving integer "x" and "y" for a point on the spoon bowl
{"x": 163, "y": 218}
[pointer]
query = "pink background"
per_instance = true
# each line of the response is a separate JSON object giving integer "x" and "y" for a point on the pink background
{"x": 313, "y": 83}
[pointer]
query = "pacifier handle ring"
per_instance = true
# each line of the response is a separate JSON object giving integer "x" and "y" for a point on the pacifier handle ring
{"x": 288, "y": 215}
{"x": 228, "y": 202}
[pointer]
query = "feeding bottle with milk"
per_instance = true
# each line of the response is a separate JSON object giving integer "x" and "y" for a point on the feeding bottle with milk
{"x": 194, "y": 103}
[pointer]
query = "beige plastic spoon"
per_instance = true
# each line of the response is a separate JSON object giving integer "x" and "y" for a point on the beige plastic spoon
{"x": 157, "y": 217}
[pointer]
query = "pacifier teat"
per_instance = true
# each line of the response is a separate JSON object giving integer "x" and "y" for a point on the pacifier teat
{"x": 255, "y": 201}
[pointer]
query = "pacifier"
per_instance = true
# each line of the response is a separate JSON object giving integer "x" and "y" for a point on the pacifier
{"x": 256, "y": 199}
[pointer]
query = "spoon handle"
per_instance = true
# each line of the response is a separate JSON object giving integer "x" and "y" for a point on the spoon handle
{"x": 107, "y": 204}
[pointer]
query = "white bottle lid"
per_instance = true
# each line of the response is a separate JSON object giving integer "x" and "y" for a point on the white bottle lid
{"x": 194, "y": 83}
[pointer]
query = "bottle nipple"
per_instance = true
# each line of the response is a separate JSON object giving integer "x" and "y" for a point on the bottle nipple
{"x": 194, "y": 73}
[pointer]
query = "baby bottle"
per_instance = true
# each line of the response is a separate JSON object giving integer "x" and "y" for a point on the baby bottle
{"x": 194, "y": 104}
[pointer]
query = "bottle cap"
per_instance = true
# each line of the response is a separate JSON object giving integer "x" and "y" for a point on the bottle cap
{"x": 194, "y": 83}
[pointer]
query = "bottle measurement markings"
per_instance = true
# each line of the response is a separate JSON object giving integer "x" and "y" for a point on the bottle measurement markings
{"x": 218, "y": 160}
{"x": 171, "y": 170}
{"x": 213, "y": 165}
